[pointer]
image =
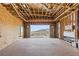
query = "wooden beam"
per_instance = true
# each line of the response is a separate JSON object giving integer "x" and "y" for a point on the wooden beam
{"x": 57, "y": 9}
{"x": 23, "y": 14}
{"x": 66, "y": 11}
{"x": 25, "y": 11}
{"x": 17, "y": 12}
{"x": 60, "y": 11}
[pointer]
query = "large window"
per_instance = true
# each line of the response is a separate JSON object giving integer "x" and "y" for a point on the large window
{"x": 39, "y": 31}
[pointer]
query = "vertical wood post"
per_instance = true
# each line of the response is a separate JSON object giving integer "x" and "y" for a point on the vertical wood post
{"x": 26, "y": 30}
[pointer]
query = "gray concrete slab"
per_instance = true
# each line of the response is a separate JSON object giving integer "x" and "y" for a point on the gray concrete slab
{"x": 39, "y": 47}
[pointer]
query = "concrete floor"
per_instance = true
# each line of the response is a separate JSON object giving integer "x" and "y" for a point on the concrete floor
{"x": 39, "y": 47}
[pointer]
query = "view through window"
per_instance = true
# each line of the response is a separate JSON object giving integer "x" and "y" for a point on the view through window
{"x": 39, "y": 31}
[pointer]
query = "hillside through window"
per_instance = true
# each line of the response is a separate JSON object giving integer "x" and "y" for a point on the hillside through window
{"x": 39, "y": 31}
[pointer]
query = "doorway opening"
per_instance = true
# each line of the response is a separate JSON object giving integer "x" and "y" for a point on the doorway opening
{"x": 39, "y": 31}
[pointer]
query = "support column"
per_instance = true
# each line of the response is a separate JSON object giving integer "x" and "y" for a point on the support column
{"x": 62, "y": 27}
{"x": 51, "y": 31}
{"x": 26, "y": 32}
{"x": 77, "y": 24}
{"x": 56, "y": 31}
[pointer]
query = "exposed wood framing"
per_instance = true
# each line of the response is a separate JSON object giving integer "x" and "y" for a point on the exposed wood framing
{"x": 18, "y": 12}
{"x": 51, "y": 11}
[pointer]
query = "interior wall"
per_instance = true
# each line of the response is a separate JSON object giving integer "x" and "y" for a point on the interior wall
{"x": 9, "y": 27}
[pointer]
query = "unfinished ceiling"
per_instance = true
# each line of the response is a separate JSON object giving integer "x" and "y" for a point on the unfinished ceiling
{"x": 46, "y": 12}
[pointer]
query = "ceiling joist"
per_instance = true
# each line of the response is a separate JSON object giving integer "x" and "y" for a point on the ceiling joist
{"x": 51, "y": 11}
